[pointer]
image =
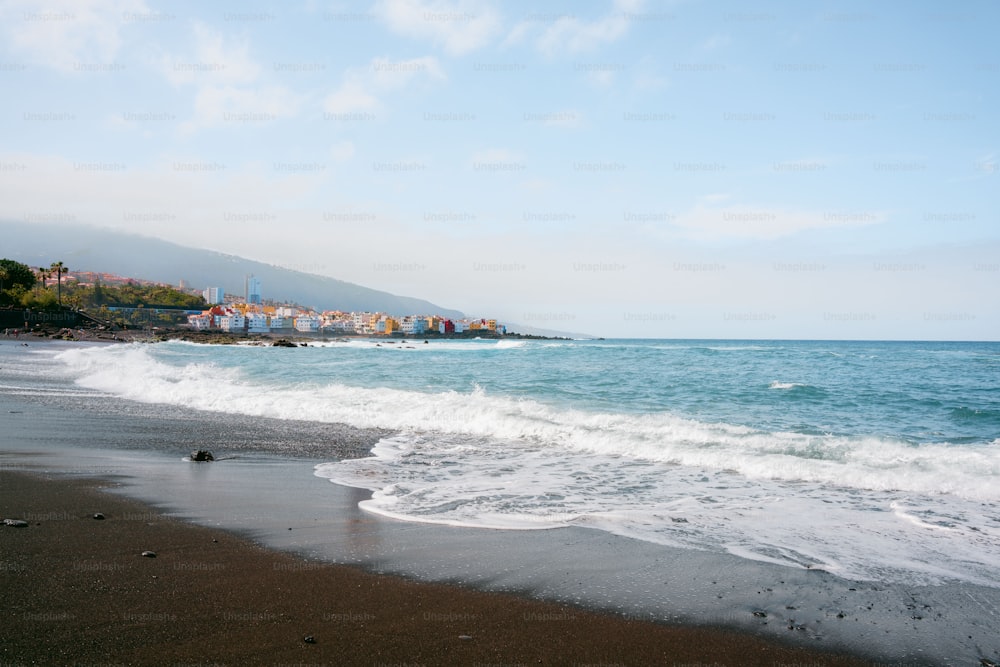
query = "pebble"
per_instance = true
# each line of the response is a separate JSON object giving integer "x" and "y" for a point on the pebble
{"x": 465, "y": 637}
{"x": 309, "y": 639}
{"x": 149, "y": 554}
{"x": 99, "y": 516}
{"x": 15, "y": 523}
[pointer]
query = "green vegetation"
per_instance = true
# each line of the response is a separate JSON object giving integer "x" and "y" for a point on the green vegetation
{"x": 16, "y": 281}
{"x": 20, "y": 286}
{"x": 130, "y": 295}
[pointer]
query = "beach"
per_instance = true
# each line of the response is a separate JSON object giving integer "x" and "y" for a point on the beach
{"x": 77, "y": 590}
{"x": 295, "y": 557}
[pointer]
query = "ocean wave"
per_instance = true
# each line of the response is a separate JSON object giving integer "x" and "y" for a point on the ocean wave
{"x": 786, "y": 385}
{"x": 863, "y": 462}
{"x": 458, "y": 481}
{"x": 862, "y": 506}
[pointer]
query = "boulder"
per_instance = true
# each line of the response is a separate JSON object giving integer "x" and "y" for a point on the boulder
{"x": 202, "y": 455}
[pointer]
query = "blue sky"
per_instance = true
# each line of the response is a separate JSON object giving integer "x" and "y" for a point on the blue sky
{"x": 629, "y": 168}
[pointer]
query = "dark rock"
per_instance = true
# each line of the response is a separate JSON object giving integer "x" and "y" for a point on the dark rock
{"x": 149, "y": 554}
{"x": 202, "y": 455}
{"x": 309, "y": 639}
{"x": 15, "y": 523}
{"x": 99, "y": 516}
{"x": 760, "y": 614}
{"x": 283, "y": 342}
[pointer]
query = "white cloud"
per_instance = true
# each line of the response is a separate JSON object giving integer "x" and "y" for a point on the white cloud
{"x": 361, "y": 87}
{"x": 214, "y": 59}
{"x": 61, "y": 34}
{"x": 457, "y": 26}
{"x": 708, "y": 222}
{"x": 574, "y": 35}
{"x": 227, "y": 83}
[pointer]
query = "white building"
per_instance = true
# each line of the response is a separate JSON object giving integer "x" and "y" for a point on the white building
{"x": 341, "y": 326}
{"x": 277, "y": 322}
{"x": 362, "y": 322}
{"x": 213, "y": 295}
{"x": 411, "y": 324}
{"x": 257, "y": 323}
{"x": 200, "y": 322}
{"x": 232, "y": 322}
{"x": 307, "y": 323}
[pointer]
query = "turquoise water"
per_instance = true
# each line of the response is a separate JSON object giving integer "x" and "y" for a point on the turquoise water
{"x": 917, "y": 392}
{"x": 868, "y": 459}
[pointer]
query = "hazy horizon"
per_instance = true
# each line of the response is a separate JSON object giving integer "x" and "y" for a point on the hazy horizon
{"x": 622, "y": 168}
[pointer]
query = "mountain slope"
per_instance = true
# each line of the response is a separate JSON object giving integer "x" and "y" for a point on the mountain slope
{"x": 96, "y": 249}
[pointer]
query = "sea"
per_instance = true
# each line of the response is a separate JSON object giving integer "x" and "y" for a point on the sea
{"x": 873, "y": 461}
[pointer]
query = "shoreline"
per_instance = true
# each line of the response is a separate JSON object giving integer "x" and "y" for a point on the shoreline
{"x": 78, "y": 589}
{"x": 90, "y": 332}
{"x": 263, "y": 488}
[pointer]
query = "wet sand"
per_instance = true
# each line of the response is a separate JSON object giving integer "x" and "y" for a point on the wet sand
{"x": 78, "y": 590}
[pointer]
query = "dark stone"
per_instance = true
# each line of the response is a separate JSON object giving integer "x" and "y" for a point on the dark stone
{"x": 99, "y": 516}
{"x": 202, "y": 455}
{"x": 309, "y": 639}
{"x": 149, "y": 554}
{"x": 760, "y": 614}
{"x": 283, "y": 342}
{"x": 15, "y": 523}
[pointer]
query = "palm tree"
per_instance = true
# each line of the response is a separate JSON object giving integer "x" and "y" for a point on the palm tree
{"x": 58, "y": 269}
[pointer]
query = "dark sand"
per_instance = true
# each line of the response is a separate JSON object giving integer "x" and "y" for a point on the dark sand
{"x": 76, "y": 590}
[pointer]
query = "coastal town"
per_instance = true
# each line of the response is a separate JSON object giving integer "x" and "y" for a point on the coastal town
{"x": 252, "y": 315}
{"x": 130, "y": 303}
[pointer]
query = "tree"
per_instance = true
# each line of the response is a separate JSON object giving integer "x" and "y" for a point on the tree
{"x": 58, "y": 269}
{"x": 98, "y": 295}
{"x": 15, "y": 280}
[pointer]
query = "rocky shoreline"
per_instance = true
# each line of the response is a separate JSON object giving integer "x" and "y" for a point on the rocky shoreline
{"x": 101, "y": 333}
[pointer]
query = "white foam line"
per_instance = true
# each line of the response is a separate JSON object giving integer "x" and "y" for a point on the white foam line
{"x": 914, "y": 520}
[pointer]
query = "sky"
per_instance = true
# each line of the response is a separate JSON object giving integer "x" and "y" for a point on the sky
{"x": 622, "y": 168}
